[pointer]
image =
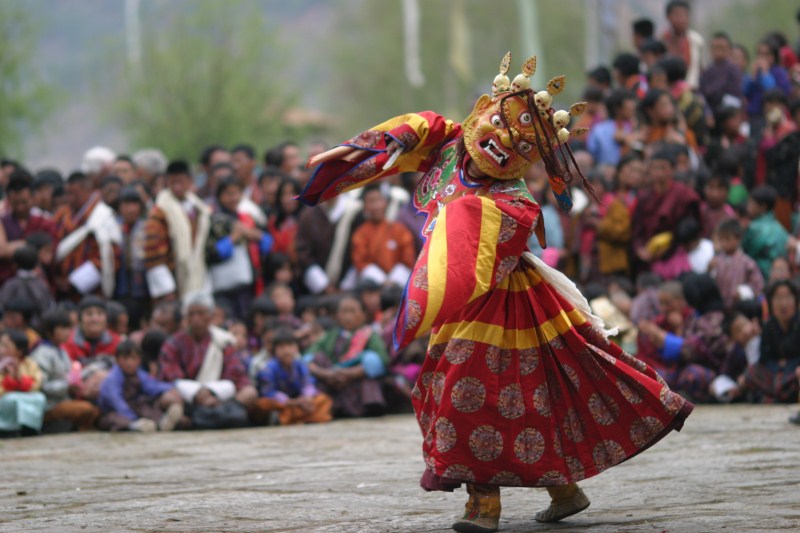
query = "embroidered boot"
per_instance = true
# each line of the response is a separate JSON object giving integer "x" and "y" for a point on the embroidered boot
{"x": 482, "y": 512}
{"x": 567, "y": 500}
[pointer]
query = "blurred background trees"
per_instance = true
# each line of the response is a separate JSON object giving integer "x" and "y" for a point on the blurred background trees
{"x": 264, "y": 70}
{"x": 25, "y": 98}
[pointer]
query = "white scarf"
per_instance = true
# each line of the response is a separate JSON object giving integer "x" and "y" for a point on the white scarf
{"x": 102, "y": 223}
{"x": 211, "y": 369}
{"x": 342, "y": 214}
{"x": 190, "y": 260}
{"x": 567, "y": 289}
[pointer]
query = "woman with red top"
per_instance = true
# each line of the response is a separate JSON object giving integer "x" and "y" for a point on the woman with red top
{"x": 283, "y": 222}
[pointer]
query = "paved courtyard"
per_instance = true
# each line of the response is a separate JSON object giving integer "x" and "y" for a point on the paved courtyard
{"x": 731, "y": 469}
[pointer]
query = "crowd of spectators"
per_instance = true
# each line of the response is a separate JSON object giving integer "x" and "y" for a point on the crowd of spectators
{"x": 140, "y": 294}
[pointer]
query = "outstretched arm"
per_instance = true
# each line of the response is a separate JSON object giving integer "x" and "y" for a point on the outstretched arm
{"x": 401, "y": 144}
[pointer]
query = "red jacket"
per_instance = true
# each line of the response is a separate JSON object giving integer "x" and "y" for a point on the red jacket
{"x": 79, "y": 349}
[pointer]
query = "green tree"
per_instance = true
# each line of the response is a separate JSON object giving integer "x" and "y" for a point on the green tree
{"x": 369, "y": 83}
{"x": 210, "y": 72}
{"x": 25, "y": 99}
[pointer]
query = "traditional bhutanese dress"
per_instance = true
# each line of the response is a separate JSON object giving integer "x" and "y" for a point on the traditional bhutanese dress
{"x": 520, "y": 386}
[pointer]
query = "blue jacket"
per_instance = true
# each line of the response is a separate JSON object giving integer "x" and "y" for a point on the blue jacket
{"x": 275, "y": 382}
{"x": 112, "y": 400}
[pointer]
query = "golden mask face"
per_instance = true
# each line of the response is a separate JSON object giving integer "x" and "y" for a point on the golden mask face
{"x": 498, "y": 131}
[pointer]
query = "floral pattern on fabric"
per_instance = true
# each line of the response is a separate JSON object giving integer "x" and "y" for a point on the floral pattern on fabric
{"x": 445, "y": 435}
{"x": 486, "y": 443}
{"x": 459, "y": 351}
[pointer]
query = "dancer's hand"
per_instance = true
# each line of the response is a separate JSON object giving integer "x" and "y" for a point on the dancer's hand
{"x": 345, "y": 153}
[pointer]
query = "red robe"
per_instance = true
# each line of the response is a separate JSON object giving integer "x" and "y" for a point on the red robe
{"x": 519, "y": 387}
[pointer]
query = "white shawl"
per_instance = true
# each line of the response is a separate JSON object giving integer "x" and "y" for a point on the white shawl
{"x": 190, "y": 260}
{"x": 102, "y": 223}
{"x": 211, "y": 369}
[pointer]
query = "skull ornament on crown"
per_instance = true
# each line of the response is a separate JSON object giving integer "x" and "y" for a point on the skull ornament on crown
{"x": 508, "y": 131}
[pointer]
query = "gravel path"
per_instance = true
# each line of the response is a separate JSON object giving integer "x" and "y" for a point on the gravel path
{"x": 731, "y": 469}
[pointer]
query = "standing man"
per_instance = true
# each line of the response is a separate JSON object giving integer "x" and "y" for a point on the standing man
{"x": 721, "y": 78}
{"x": 175, "y": 238}
{"x": 89, "y": 236}
{"x": 684, "y": 42}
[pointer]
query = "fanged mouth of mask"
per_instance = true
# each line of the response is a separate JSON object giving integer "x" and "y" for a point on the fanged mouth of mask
{"x": 498, "y": 154}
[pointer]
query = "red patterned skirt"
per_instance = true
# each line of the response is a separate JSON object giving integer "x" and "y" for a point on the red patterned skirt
{"x": 521, "y": 390}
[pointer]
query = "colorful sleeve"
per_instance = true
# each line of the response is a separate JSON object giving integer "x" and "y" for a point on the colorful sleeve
{"x": 418, "y": 133}
{"x": 475, "y": 244}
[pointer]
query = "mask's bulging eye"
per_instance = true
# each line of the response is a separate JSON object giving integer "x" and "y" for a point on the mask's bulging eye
{"x": 496, "y": 121}
{"x": 525, "y": 146}
{"x": 525, "y": 118}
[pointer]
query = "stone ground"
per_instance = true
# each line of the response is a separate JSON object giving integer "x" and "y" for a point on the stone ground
{"x": 731, "y": 469}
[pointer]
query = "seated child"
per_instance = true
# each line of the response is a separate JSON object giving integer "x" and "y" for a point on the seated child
{"x": 745, "y": 334}
{"x": 348, "y": 362}
{"x": 261, "y": 310}
{"x": 260, "y": 359}
{"x": 776, "y": 376}
{"x": 765, "y": 238}
{"x": 118, "y": 318}
{"x": 19, "y": 314}
{"x": 21, "y": 404}
{"x": 645, "y": 304}
{"x": 28, "y": 284}
{"x": 131, "y": 399}
{"x": 238, "y": 329}
{"x": 370, "y": 294}
{"x": 714, "y": 208}
{"x": 737, "y": 275}
{"x": 286, "y": 386}
{"x": 283, "y": 298}
{"x": 63, "y": 412}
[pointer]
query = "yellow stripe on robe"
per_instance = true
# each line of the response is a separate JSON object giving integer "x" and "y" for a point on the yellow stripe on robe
{"x": 410, "y": 161}
{"x": 509, "y": 338}
{"x": 491, "y": 219}
{"x": 437, "y": 270}
{"x": 520, "y": 281}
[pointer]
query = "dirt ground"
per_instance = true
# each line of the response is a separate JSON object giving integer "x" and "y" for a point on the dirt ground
{"x": 731, "y": 469}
